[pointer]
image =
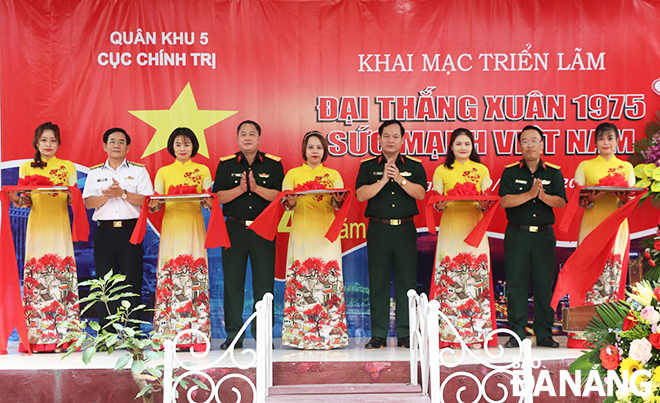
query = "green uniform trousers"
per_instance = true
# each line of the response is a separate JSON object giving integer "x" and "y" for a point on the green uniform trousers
{"x": 391, "y": 250}
{"x": 522, "y": 250}
{"x": 245, "y": 242}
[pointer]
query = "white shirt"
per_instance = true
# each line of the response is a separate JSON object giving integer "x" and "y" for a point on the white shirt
{"x": 131, "y": 177}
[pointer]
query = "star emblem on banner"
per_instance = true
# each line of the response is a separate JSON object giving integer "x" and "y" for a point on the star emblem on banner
{"x": 182, "y": 113}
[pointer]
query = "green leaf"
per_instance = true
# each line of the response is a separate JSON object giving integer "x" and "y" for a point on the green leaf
{"x": 112, "y": 339}
{"x": 88, "y": 354}
{"x": 155, "y": 372}
{"x": 137, "y": 367}
{"x": 129, "y": 331}
{"x": 126, "y": 304}
{"x": 95, "y": 326}
{"x": 154, "y": 355}
{"x": 200, "y": 384}
{"x": 121, "y": 295}
{"x": 144, "y": 390}
{"x": 122, "y": 361}
{"x": 107, "y": 276}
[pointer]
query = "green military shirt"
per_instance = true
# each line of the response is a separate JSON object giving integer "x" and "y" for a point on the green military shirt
{"x": 268, "y": 172}
{"x": 392, "y": 201}
{"x": 517, "y": 178}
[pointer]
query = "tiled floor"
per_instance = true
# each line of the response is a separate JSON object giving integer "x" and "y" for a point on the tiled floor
{"x": 354, "y": 352}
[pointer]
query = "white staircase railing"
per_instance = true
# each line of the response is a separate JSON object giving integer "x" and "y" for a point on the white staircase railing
{"x": 262, "y": 359}
{"x": 425, "y": 320}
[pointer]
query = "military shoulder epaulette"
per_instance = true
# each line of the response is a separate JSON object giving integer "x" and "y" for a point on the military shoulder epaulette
{"x": 513, "y": 164}
{"x": 227, "y": 157}
{"x": 414, "y": 159}
{"x": 136, "y": 164}
{"x": 273, "y": 157}
{"x": 551, "y": 165}
{"x": 97, "y": 166}
{"x": 368, "y": 159}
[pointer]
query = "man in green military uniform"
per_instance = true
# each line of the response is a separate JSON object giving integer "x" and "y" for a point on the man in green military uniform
{"x": 530, "y": 189}
{"x": 391, "y": 183}
{"x": 245, "y": 183}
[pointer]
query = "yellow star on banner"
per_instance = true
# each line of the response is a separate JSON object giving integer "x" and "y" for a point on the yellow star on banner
{"x": 182, "y": 113}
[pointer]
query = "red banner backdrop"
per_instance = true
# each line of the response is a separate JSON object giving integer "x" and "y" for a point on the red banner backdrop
{"x": 340, "y": 67}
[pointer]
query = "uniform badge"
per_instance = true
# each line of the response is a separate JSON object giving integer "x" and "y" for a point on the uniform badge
{"x": 378, "y": 173}
{"x": 237, "y": 174}
{"x": 102, "y": 180}
{"x": 405, "y": 173}
{"x": 545, "y": 182}
{"x": 524, "y": 182}
{"x": 264, "y": 175}
{"x": 129, "y": 178}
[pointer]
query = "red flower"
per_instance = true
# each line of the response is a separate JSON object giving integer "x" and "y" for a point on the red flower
{"x": 656, "y": 292}
{"x": 647, "y": 254}
{"x": 651, "y": 263}
{"x": 609, "y": 357}
{"x": 629, "y": 322}
{"x": 656, "y": 245}
{"x": 654, "y": 339}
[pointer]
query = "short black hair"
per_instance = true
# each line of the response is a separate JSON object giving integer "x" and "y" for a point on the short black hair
{"x": 531, "y": 127}
{"x": 391, "y": 122}
{"x": 185, "y": 132}
{"x": 114, "y": 130}
{"x": 250, "y": 122}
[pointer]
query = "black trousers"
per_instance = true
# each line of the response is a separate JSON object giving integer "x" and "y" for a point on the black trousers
{"x": 244, "y": 243}
{"x": 113, "y": 251}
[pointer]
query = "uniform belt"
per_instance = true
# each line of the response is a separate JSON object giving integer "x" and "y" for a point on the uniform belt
{"x": 392, "y": 221}
{"x": 531, "y": 228}
{"x": 247, "y": 223}
{"x": 117, "y": 223}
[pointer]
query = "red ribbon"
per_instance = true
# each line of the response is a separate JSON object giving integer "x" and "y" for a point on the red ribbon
{"x": 266, "y": 223}
{"x": 477, "y": 234}
{"x": 584, "y": 267}
{"x": 11, "y": 305}
{"x": 216, "y": 234}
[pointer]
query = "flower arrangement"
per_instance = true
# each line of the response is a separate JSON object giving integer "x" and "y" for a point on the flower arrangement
{"x": 651, "y": 257}
{"x": 625, "y": 336}
{"x": 646, "y": 160}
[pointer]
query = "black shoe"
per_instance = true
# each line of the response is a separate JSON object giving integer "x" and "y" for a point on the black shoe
{"x": 511, "y": 343}
{"x": 376, "y": 342}
{"x": 547, "y": 342}
{"x": 403, "y": 342}
{"x": 227, "y": 343}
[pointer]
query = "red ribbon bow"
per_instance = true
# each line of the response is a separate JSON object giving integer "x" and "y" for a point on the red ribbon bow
{"x": 216, "y": 233}
{"x": 464, "y": 189}
{"x": 35, "y": 180}
{"x": 616, "y": 180}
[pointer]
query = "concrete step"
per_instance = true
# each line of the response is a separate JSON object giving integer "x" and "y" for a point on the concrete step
{"x": 347, "y": 392}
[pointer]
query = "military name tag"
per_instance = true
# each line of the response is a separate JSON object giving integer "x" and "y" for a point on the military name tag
{"x": 378, "y": 173}
{"x": 524, "y": 182}
{"x": 237, "y": 175}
